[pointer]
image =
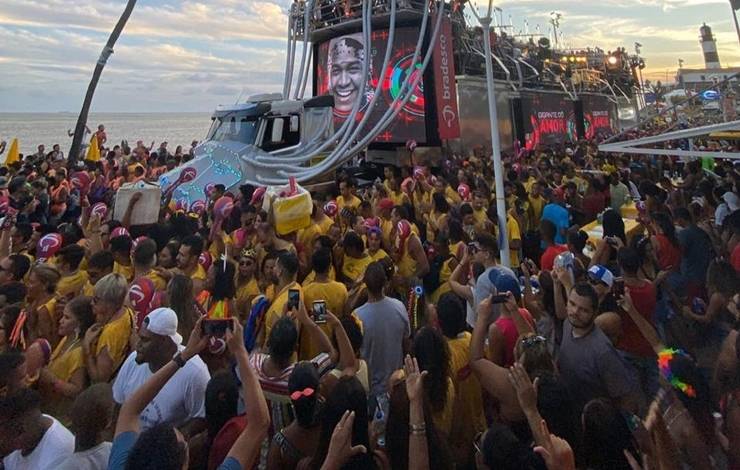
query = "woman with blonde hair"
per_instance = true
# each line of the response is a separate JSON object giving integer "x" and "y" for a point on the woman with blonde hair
{"x": 107, "y": 343}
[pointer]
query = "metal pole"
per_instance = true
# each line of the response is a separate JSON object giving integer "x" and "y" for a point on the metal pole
{"x": 734, "y": 17}
{"x": 498, "y": 169}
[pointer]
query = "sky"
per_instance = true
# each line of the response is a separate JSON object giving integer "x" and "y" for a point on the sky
{"x": 190, "y": 55}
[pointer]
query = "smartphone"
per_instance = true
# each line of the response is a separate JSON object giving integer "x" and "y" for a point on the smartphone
{"x": 218, "y": 327}
{"x": 618, "y": 287}
{"x": 499, "y": 298}
{"x": 319, "y": 311}
{"x": 294, "y": 297}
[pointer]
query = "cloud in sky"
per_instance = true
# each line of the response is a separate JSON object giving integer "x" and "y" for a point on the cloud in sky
{"x": 190, "y": 55}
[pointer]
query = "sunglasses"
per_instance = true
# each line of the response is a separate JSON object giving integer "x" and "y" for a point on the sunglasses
{"x": 530, "y": 341}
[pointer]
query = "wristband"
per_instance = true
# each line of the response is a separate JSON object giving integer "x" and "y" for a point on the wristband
{"x": 178, "y": 359}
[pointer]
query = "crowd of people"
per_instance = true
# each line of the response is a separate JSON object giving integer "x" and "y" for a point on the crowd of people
{"x": 386, "y": 333}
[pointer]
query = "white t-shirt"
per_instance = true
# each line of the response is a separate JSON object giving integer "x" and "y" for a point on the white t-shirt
{"x": 56, "y": 445}
{"x": 90, "y": 459}
{"x": 182, "y": 397}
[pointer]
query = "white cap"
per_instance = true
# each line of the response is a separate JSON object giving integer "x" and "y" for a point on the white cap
{"x": 163, "y": 322}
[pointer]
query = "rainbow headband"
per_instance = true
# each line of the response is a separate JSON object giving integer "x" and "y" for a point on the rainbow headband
{"x": 664, "y": 359}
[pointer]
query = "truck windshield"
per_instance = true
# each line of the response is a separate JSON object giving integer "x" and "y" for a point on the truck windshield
{"x": 235, "y": 128}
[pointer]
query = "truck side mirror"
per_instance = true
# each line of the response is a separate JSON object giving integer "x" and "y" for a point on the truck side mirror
{"x": 277, "y": 130}
{"x": 294, "y": 123}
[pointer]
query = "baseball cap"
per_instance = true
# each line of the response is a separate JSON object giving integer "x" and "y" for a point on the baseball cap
{"x": 163, "y": 322}
{"x": 508, "y": 283}
{"x": 385, "y": 203}
{"x": 602, "y": 274}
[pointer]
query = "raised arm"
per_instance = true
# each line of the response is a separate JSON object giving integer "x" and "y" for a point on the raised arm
{"x": 458, "y": 279}
{"x": 493, "y": 378}
{"x": 314, "y": 331}
{"x": 418, "y": 446}
{"x": 646, "y": 329}
{"x": 246, "y": 448}
{"x": 128, "y": 418}
{"x": 346, "y": 357}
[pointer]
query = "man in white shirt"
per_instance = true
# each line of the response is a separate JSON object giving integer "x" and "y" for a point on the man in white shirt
{"x": 29, "y": 439}
{"x": 182, "y": 400}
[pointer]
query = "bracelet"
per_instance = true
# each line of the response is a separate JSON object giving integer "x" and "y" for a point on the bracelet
{"x": 178, "y": 359}
{"x": 418, "y": 429}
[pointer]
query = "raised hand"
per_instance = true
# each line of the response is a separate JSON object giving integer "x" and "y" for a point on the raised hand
{"x": 556, "y": 452}
{"x": 196, "y": 342}
{"x": 414, "y": 378}
{"x": 235, "y": 338}
{"x": 526, "y": 391}
{"x": 340, "y": 447}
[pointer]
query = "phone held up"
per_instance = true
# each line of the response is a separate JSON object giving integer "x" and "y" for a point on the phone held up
{"x": 319, "y": 312}
{"x": 217, "y": 327}
{"x": 294, "y": 297}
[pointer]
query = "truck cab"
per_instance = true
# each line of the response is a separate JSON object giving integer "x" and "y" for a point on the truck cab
{"x": 264, "y": 125}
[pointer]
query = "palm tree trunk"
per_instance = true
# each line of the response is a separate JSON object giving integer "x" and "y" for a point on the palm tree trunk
{"x": 74, "y": 151}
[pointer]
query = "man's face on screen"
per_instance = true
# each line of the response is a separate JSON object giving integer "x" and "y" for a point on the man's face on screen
{"x": 345, "y": 75}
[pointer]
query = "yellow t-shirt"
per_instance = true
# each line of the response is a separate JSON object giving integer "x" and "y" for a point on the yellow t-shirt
{"x": 398, "y": 198}
{"x": 469, "y": 401}
{"x": 125, "y": 271}
{"x": 480, "y": 216}
{"x": 199, "y": 274}
{"x": 335, "y": 295}
{"x": 421, "y": 200}
{"x": 63, "y": 366}
{"x": 244, "y": 293}
{"x": 407, "y": 263}
{"x": 115, "y": 336}
{"x": 379, "y": 255}
{"x": 536, "y": 204}
{"x": 386, "y": 225}
{"x": 88, "y": 290}
{"x": 308, "y": 235}
{"x": 452, "y": 196}
{"x": 276, "y": 308}
{"x": 512, "y": 227}
{"x": 354, "y": 268}
{"x": 213, "y": 249}
{"x": 312, "y": 277}
{"x": 444, "y": 279}
{"x": 325, "y": 225}
{"x": 158, "y": 281}
{"x": 353, "y": 203}
{"x": 72, "y": 284}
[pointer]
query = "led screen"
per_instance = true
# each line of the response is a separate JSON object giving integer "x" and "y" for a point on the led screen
{"x": 548, "y": 120}
{"x": 338, "y": 72}
{"x": 599, "y": 116}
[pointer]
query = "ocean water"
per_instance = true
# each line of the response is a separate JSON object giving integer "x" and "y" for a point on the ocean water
{"x": 33, "y": 129}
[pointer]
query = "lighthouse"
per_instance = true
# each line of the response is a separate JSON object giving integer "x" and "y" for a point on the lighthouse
{"x": 709, "y": 47}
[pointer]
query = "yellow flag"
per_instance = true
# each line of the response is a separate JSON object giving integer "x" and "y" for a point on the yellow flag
{"x": 13, "y": 155}
{"x": 93, "y": 151}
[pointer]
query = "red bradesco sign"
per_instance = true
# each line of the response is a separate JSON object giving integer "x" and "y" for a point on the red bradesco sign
{"x": 448, "y": 123}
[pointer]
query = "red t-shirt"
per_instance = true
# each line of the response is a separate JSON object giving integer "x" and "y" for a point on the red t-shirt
{"x": 508, "y": 329}
{"x": 668, "y": 255}
{"x": 644, "y": 299}
{"x": 735, "y": 257}
{"x": 548, "y": 257}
